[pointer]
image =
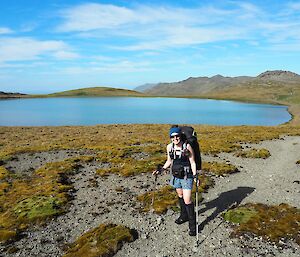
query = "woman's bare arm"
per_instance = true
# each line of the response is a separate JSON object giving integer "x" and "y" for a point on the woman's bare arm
{"x": 192, "y": 159}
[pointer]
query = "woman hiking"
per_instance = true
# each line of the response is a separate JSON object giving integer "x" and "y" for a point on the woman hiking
{"x": 183, "y": 169}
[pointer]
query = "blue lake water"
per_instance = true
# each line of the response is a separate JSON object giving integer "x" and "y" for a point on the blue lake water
{"x": 123, "y": 110}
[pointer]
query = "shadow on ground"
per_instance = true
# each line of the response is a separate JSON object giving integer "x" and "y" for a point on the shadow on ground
{"x": 223, "y": 202}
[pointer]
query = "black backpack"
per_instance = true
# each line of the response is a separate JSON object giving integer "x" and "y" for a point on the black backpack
{"x": 189, "y": 135}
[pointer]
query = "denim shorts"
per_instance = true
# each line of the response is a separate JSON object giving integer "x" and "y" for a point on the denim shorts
{"x": 181, "y": 183}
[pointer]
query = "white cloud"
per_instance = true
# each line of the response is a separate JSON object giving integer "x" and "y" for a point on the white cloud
{"x": 25, "y": 49}
{"x": 95, "y": 16}
{"x": 294, "y": 6}
{"x": 124, "y": 66}
{"x": 4, "y": 30}
{"x": 88, "y": 17}
{"x": 158, "y": 27}
{"x": 65, "y": 55}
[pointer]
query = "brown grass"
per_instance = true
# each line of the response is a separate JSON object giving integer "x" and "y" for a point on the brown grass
{"x": 102, "y": 241}
{"x": 254, "y": 153}
{"x": 218, "y": 168}
{"x": 120, "y": 142}
{"x": 3, "y": 172}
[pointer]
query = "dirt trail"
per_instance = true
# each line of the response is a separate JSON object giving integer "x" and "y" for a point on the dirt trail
{"x": 96, "y": 200}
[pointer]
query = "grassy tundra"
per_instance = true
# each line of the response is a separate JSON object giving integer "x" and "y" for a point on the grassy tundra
{"x": 33, "y": 199}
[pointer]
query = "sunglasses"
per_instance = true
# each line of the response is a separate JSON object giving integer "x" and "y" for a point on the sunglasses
{"x": 178, "y": 136}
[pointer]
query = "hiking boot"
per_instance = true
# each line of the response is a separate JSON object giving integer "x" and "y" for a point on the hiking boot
{"x": 183, "y": 213}
{"x": 192, "y": 218}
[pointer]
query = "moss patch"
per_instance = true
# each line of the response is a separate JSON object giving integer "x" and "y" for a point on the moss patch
{"x": 254, "y": 153}
{"x": 38, "y": 207}
{"x": 239, "y": 215}
{"x": 272, "y": 223}
{"x": 104, "y": 240}
{"x": 219, "y": 168}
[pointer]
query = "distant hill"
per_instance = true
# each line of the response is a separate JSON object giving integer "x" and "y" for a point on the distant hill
{"x": 97, "y": 91}
{"x": 11, "y": 95}
{"x": 269, "y": 86}
{"x": 144, "y": 87}
{"x": 205, "y": 85}
{"x": 196, "y": 85}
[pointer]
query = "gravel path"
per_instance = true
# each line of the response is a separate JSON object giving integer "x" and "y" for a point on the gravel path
{"x": 96, "y": 200}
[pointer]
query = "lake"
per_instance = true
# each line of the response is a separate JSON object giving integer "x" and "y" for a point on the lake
{"x": 123, "y": 110}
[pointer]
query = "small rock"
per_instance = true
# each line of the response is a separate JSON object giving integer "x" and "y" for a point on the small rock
{"x": 144, "y": 235}
{"x": 159, "y": 221}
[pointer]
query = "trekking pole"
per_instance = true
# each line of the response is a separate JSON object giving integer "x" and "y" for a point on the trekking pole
{"x": 197, "y": 216}
{"x": 155, "y": 183}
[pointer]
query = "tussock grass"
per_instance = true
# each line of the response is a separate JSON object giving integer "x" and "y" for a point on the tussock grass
{"x": 102, "y": 241}
{"x": 124, "y": 140}
{"x": 272, "y": 223}
{"x": 127, "y": 149}
{"x": 3, "y": 172}
{"x": 219, "y": 168}
{"x": 166, "y": 197}
{"x": 254, "y": 153}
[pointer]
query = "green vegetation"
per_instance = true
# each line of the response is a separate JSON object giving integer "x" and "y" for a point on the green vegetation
{"x": 127, "y": 149}
{"x": 96, "y": 91}
{"x": 102, "y": 241}
{"x": 219, "y": 169}
{"x": 126, "y": 141}
{"x": 240, "y": 215}
{"x": 254, "y": 153}
{"x": 38, "y": 207}
{"x": 126, "y": 160}
{"x": 272, "y": 223}
{"x": 298, "y": 162}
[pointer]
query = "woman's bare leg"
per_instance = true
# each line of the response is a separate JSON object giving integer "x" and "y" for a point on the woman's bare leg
{"x": 179, "y": 192}
{"x": 187, "y": 196}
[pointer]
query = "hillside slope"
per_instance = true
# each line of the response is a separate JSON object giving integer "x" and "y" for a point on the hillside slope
{"x": 205, "y": 85}
{"x": 97, "y": 91}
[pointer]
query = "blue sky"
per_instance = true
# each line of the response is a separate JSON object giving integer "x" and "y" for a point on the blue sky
{"x": 50, "y": 46}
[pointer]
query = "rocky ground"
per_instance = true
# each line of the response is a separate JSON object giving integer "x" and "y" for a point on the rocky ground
{"x": 113, "y": 199}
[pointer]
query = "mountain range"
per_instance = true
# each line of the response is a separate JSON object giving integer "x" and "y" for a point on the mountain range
{"x": 204, "y": 86}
